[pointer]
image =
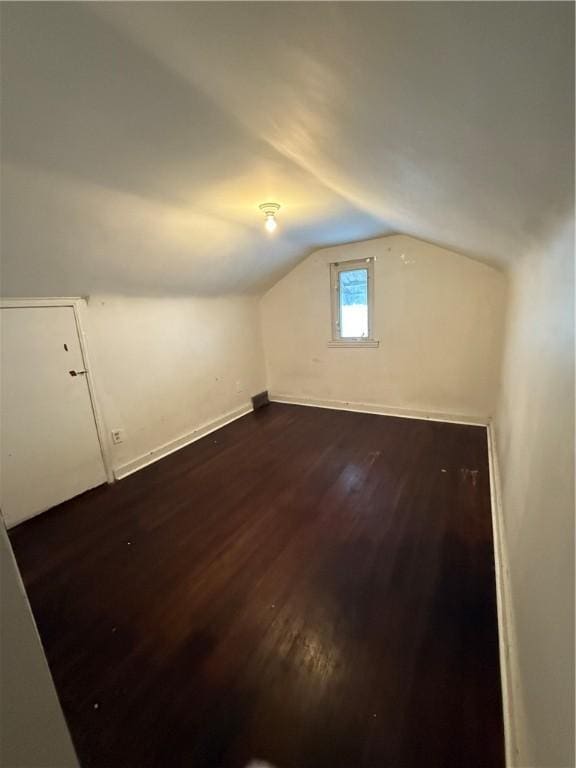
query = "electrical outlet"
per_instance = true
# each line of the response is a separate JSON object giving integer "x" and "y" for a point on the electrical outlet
{"x": 239, "y": 387}
{"x": 117, "y": 436}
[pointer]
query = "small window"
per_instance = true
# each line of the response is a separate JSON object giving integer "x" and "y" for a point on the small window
{"x": 352, "y": 284}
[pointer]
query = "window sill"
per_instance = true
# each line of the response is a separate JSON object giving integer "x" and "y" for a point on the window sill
{"x": 350, "y": 343}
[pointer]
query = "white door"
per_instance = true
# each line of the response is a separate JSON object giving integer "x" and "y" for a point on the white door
{"x": 49, "y": 447}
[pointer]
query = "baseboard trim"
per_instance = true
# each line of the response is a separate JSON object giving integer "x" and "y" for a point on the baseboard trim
{"x": 381, "y": 410}
{"x": 504, "y": 603}
{"x": 180, "y": 442}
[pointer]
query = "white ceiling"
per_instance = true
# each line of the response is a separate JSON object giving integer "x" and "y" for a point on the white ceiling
{"x": 139, "y": 138}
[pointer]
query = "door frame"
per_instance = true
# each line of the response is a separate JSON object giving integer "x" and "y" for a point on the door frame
{"x": 79, "y": 306}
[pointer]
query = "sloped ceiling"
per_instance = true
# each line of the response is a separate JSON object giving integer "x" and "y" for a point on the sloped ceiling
{"x": 139, "y": 138}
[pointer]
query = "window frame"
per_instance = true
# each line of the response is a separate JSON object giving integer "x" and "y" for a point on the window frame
{"x": 336, "y": 269}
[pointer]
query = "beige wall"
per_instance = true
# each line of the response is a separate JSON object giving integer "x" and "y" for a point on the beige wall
{"x": 33, "y": 732}
{"x": 438, "y": 316}
{"x": 535, "y": 437}
{"x": 165, "y": 367}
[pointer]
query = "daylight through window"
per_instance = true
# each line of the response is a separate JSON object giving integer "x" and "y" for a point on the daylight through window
{"x": 351, "y": 303}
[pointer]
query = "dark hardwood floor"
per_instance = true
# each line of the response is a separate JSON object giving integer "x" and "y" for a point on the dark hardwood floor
{"x": 309, "y": 587}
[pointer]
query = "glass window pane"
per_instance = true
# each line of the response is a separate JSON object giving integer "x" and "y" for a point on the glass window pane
{"x": 354, "y": 303}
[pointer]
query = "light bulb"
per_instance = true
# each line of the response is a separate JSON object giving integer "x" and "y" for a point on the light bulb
{"x": 269, "y": 210}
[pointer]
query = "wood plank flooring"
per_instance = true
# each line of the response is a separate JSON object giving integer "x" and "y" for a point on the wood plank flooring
{"x": 309, "y": 587}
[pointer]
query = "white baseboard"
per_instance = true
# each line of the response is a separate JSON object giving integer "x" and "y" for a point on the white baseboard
{"x": 382, "y": 410}
{"x": 506, "y": 632}
{"x": 174, "y": 445}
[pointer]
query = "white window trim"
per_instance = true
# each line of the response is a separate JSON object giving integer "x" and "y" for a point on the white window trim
{"x": 355, "y": 343}
{"x": 361, "y": 342}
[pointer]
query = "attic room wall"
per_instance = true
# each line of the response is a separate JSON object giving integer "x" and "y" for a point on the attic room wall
{"x": 34, "y": 732}
{"x": 166, "y": 366}
{"x": 535, "y": 439}
{"x": 438, "y": 317}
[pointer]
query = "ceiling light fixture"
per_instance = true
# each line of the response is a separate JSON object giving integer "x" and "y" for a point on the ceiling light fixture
{"x": 270, "y": 210}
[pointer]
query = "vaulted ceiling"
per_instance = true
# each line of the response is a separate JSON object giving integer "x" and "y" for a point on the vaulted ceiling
{"x": 139, "y": 138}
